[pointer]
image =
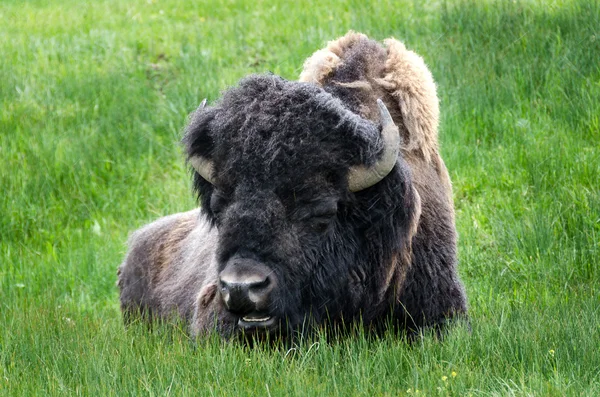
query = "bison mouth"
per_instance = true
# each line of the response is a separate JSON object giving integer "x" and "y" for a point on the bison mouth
{"x": 256, "y": 320}
{"x": 261, "y": 328}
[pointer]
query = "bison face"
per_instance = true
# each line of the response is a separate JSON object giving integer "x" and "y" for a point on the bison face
{"x": 288, "y": 175}
{"x": 275, "y": 254}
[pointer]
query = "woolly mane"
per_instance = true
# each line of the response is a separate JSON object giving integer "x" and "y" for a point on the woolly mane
{"x": 397, "y": 74}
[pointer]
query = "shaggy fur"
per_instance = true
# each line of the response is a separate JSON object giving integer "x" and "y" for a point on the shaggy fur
{"x": 281, "y": 152}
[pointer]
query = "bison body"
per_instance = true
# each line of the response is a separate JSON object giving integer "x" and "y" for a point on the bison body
{"x": 304, "y": 219}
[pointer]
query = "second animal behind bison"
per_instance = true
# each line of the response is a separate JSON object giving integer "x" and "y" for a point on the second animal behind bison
{"x": 318, "y": 205}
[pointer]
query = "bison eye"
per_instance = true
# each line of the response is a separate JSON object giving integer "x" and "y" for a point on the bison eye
{"x": 321, "y": 220}
{"x": 320, "y": 224}
{"x": 317, "y": 215}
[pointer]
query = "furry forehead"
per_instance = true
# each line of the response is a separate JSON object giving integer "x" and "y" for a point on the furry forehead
{"x": 266, "y": 112}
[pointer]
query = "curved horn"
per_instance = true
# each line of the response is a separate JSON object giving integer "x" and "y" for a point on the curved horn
{"x": 361, "y": 177}
{"x": 203, "y": 166}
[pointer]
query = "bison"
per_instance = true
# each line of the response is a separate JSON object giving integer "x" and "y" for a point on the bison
{"x": 324, "y": 201}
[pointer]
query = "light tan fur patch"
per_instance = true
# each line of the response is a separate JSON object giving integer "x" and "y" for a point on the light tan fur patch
{"x": 320, "y": 65}
{"x": 407, "y": 80}
{"x": 206, "y": 295}
{"x": 169, "y": 247}
{"x": 410, "y": 82}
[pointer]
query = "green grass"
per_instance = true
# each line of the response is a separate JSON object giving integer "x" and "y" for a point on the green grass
{"x": 93, "y": 98}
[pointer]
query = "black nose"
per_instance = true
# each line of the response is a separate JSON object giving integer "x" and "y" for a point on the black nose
{"x": 245, "y": 286}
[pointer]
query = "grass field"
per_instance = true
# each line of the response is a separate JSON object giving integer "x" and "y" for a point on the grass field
{"x": 93, "y": 98}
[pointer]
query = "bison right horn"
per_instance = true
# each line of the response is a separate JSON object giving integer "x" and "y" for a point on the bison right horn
{"x": 361, "y": 177}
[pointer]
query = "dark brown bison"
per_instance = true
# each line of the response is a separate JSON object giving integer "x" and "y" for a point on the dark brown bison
{"x": 323, "y": 202}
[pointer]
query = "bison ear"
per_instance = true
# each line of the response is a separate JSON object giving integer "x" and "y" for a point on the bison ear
{"x": 198, "y": 140}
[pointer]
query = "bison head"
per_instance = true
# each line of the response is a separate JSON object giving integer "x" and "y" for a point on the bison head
{"x": 313, "y": 206}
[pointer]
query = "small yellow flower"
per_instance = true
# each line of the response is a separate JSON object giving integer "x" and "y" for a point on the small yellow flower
{"x": 551, "y": 351}
{"x": 453, "y": 374}
{"x": 444, "y": 378}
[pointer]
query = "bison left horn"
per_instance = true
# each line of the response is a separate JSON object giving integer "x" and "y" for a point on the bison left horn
{"x": 203, "y": 166}
{"x": 361, "y": 177}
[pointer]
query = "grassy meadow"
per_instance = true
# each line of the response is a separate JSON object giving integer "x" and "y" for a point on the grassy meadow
{"x": 93, "y": 99}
